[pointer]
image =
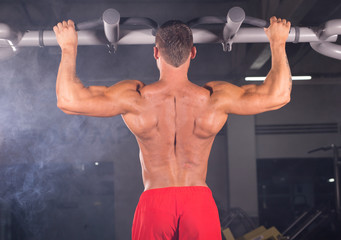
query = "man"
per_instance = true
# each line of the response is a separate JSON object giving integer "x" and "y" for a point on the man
{"x": 175, "y": 123}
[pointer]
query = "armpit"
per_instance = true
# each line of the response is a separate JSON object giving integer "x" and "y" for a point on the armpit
{"x": 209, "y": 88}
{"x": 139, "y": 86}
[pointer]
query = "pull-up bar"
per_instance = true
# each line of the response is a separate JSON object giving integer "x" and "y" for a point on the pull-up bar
{"x": 112, "y": 30}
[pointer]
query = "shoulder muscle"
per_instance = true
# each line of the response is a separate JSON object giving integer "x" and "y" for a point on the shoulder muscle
{"x": 126, "y": 93}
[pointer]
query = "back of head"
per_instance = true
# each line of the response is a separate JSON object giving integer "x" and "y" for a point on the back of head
{"x": 174, "y": 40}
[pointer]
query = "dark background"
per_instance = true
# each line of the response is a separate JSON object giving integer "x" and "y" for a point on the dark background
{"x": 75, "y": 177}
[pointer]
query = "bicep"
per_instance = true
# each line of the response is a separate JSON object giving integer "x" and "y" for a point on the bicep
{"x": 101, "y": 101}
{"x": 246, "y": 100}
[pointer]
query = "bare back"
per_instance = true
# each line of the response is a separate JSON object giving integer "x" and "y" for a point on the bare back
{"x": 175, "y": 127}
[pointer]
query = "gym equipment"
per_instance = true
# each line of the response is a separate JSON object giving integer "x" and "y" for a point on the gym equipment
{"x": 126, "y": 31}
{"x": 228, "y": 234}
{"x": 263, "y": 233}
{"x": 312, "y": 223}
{"x": 304, "y": 227}
{"x": 237, "y": 220}
{"x": 257, "y": 234}
{"x": 336, "y": 166}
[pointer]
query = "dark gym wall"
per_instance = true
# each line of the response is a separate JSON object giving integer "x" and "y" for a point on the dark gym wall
{"x": 310, "y": 104}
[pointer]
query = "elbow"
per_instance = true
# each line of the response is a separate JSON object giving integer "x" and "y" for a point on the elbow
{"x": 282, "y": 100}
{"x": 64, "y": 106}
{"x": 287, "y": 100}
{"x": 278, "y": 101}
{"x": 61, "y": 105}
{"x": 286, "y": 96}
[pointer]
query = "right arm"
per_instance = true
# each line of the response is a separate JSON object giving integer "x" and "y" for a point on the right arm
{"x": 270, "y": 95}
{"x": 74, "y": 98}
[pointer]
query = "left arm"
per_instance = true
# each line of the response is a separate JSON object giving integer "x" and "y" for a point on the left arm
{"x": 274, "y": 93}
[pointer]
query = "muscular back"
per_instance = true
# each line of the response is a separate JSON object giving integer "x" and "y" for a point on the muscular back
{"x": 175, "y": 127}
{"x": 175, "y": 124}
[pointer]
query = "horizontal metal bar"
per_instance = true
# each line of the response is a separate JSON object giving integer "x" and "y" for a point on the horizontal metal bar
{"x": 257, "y": 35}
{"x": 86, "y": 37}
{"x": 145, "y": 36}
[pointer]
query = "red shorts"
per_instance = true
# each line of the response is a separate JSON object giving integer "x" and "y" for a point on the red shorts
{"x": 176, "y": 213}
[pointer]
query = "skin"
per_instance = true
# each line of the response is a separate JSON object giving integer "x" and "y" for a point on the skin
{"x": 174, "y": 121}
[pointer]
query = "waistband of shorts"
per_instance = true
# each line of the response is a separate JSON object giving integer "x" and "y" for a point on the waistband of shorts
{"x": 180, "y": 189}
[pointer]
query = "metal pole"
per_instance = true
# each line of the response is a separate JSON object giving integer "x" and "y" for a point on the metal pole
{"x": 317, "y": 214}
{"x": 294, "y": 223}
{"x": 337, "y": 180}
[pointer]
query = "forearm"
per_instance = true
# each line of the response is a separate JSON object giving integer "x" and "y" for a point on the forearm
{"x": 68, "y": 86}
{"x": 278, "y": 82}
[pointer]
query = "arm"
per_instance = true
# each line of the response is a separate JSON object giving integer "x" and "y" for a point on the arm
{"x": 74, "y": 98}
{"x": 274, "y": 93}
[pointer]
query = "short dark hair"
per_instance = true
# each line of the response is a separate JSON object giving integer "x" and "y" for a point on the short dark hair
{"x": 175, "y": 41}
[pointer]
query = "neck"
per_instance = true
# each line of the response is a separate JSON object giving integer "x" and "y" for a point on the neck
{"x": 172, "y": 75}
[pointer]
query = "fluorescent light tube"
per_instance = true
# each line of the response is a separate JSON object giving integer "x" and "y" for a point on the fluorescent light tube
{"x": 263, "y": 78}
{"x": 301, "y": 77}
